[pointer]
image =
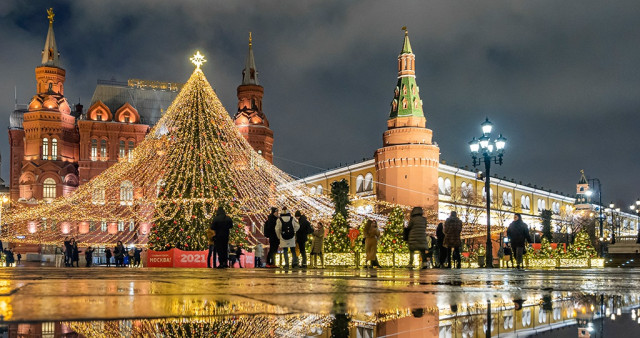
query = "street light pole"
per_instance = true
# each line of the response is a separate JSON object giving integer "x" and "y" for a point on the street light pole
{"x": 589, "y": 193}
{"x": 490, "y": 152}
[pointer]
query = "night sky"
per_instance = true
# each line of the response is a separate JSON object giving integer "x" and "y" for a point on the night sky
{"x": 560, "y": 79}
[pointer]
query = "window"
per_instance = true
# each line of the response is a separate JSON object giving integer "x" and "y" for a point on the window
{"x": 505, "y": 198}
{"x": 510, "y": 197}
{"x": 525, "y": 202}
{"x": 312, "y": 190}
{"x": 130, "y": 153}
{"x": 45, "y": 148}
{"x": 360, "y": 183}
{"x": 368, "y": 182}
{"x": 103, "y": 150}
{"x": 98, "y": 195}
{"x": 441, "y": 185}
{"x": 49, "y": 189}
{"x": 99, "y": 116}
{"x": 447, "y": 187}
{"x": 319, "y": 190}
{"x": 127, "y": 118}
{"x": 94, "y": 149}
{"x": 103, "y": 226}
{"x": 126, "y": 193}
{"x": 466, "y": 189}
{"x": 542, "y": 205}
{"x": 54, "y": 149}
{"x": 120, "y": 225}
{"x": 132, "y": 225}
{"x": 92, "y": 226}
{"x": 122, "y": 153}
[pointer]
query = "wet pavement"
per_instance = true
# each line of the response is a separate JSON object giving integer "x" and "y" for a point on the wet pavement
{"x": 274, "y": 302}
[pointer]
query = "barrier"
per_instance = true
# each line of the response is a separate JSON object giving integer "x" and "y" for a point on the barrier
{"x": 176, "y": 258}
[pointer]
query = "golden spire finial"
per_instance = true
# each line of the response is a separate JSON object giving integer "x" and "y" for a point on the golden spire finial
{"x": 198, "y": 59}
{"x": 50, "y": 15}
{"x": 404, "y": 28}
{"x": 250, "y": 39}
{"x": 582, "y": 171}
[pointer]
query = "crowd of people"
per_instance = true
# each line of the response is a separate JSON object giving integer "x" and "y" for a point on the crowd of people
{"x": 120, "y": 255}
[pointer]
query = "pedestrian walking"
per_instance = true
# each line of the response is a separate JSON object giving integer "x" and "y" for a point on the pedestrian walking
{"x": 211, "y": 237}
{"x": 88, "y": 256}
{"x": 418, "y": 237}
{"x": 259, "y": 254}
{"x": 286, "y": 228}
{"x": 518, "y": 233}
{"x": 442, "y": 251}
{"x": 68, "y": 252}
{"x": 222, "y": 224}
{"x": 108, "y": 255}
{"x": 239, "y": 253}
{"x": 232, "y": 255}
{"x": 119, "y": 253}
{"x": 19, "y": 256}
{"x": 371, "y": 235}
{"x": 75, "y": 253}
{"x": 302, "y": 235}
{"x": 8, "y": 256}
{"x": 452, "y": 230}
{"x": 136, "y": 256}
{"x": 317, "y": 245}
{"x": 274, "y": 240}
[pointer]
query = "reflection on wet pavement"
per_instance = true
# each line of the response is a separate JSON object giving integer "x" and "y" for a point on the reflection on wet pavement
{"x": 273, "y": 303}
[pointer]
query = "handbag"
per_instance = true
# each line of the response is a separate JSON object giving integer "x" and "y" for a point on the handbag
{"x": 405, "y": 234}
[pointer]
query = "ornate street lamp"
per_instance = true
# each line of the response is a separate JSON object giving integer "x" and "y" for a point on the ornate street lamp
{"x": 589, "y": 192}
{"x": 483, "y": 150}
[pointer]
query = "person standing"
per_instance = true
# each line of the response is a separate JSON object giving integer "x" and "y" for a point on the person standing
{"x": 259, "y": 254}
{"x": 371, "y": 235}
{"x": 211, "y": 237}
{"x": 239, "y": 254}
{"x": 68, "y": 252}
{"x": 442, "y": 251}
{"x": 302, "y": 235}
{"x": 317, "y": 245}
{"x": 9, "y": 259}
{"x": 75, "y": 253}
{"x": 286, "y": 228}
{"x": 452, "y": 230}
{"x": 518, "y": 233}
{"x": 119, "y": 253}
{"x": 88, "y": 256}
{"x": 136, "y": 256}
{"x": 222, "y": 224}
{"x": 232, "y": 256}
{"x": 274, "y": 240}
{"x": 108, "y": 255}
{"x": 19, "y": 257}
{"x": 418, "y": 237}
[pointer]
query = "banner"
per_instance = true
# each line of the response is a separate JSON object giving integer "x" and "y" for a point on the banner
{"x": 176, "y": 258}
{"x": 189, "y": 259}
{"x": 160, "y": 259}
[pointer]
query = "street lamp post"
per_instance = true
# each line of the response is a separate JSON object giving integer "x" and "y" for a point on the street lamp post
{"x": 589, "y": 193}
{"x": 615, "y": 221}
{"x": 483, "y": 150}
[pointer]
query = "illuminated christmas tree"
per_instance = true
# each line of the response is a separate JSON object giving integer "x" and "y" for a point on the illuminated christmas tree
{"x": 391, "y": 240}
{"x": 581, "y": 247}
{"x": 338, "y": 237}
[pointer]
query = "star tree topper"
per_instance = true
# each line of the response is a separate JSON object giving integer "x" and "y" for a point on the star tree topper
{"x": 198, "y": 59}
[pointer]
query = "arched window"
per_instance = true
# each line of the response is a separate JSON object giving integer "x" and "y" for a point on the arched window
{"x": 505, "y": 198}
{"x": 510, "y": 197}
{"x": 120, "y": 225}
{"x": 447, "y": 187}
{"x": 103, "y": 150}
{"x": 103, "y": 226}
{"x": 127, "y": 117}
{"x": 528, "y": 203}
{"x": 94, "y": 149}
{"x": 126, "y": 193}
{"x": 54, "y": 149}
{"x": 45, "y": 148}
{"x": 368, "y": 182}
{"x": 98, "y": 195}
{"x": 466, "y": 189}
{"x": 122, "y": 153}
{"x": 312, "y": 190}
{"x": 441, "y": 185}
{"x": 319, "y": 190}
{"x": 49, "y": 189}
{"x": 360, "y": 183}
{"x": 132, "y": 225}
{"x": 130, "y": 153}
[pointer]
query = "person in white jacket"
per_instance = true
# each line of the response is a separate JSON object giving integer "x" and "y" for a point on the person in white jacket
{"x": 286, "y": 228}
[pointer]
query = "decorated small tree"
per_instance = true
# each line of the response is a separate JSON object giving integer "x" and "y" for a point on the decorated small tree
{"x": 546, "y": 251}
{"x": 391, "y": 239}
{"x": 581, "y": 247}
{"x": 546, "y": 225}
{"x": 338, "y": 237}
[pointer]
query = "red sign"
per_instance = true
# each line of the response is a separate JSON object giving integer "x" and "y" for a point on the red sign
{"x": 160, "y": 259}
{"x": 353, "y": 234}
{"x": 189, "y": 259}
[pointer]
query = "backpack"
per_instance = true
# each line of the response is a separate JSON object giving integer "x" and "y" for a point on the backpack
{"x": 287, "y": 229}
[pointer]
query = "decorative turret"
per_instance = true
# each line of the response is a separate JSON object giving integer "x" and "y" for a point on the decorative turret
{"x": 407, "y": 164}
{"x": 250, "y": 120}
{"x": 582, "y": 198}
{"x": 50, "y": 54}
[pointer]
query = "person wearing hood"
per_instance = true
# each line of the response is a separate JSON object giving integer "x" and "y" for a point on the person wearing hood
{"x": 371, "y": 235}
{"x": 270, "y": 233}
{"x": 518, "y": 232}
{"x": 442, "y": 256}
{"x": 222, "y": 224}
{"x": 417, "y": 239}
{"x": 286, "y": 228}
{"x": 302, "y": 235}
{"x": 452, "y": 241}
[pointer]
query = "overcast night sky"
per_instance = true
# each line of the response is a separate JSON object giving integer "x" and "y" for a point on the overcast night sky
{"x": 560, "y": 79}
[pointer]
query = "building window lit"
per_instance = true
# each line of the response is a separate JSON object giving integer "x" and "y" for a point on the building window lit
{"x": 319, "y": 190}
{"x": 103, "y": 150}
{"x": 98, "y": 195}
{"x": 132, "y": 226}
{"x": 368, "y": 182}
{"x": 447, "y": 187}
{"x": 127, "y": 118}
{"x": 121, "y": 225}
{"x": 94, "y": 150}
{"x": 360, "y": 183}
{"x": 126, "y": 193}
{"x": 49, "y": 189}
{"x": 45, "y": 148}
{"x": 123, "y": 152}
{"x": 99, "y": 116}
{"x": 441, "y": 185}
{"x": 312, "y": 191}
{"x": 103, "y": 226}
{"x": 130, "y": 153}
{"x": 54, "y": 149}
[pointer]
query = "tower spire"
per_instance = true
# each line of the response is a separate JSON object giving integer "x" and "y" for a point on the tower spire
{"x": 250, "y": 73}
{"x": 50, "y": 55}
{"x": 406, "y": 101}
{"x": 406, "y": 46}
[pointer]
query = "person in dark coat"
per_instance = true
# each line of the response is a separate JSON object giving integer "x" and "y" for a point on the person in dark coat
{"x": 270, "y": 233}
{"x": 442, "y": 251}
{"x": 232, "y": 255}
{"x": 119, "y": 253}
{"x": 518, "y": 233}
{"x": 222, "y": 224}
{"x": 452, "y": 230}
{"x": 301, "y": 236}
{"x": 211, "y": 238}
{"x": 136, "y": 256}
{"x": 418, "y": 236}
{"x": 238, "y": 254}
{"x": 75, "y": 253}
{"x": 9, "y": 259}
{"x": 68, "y": 252}
{"x": 88, "y": 256}
{"x": 107, "y": 255}
{"x": 19, "y": 257}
